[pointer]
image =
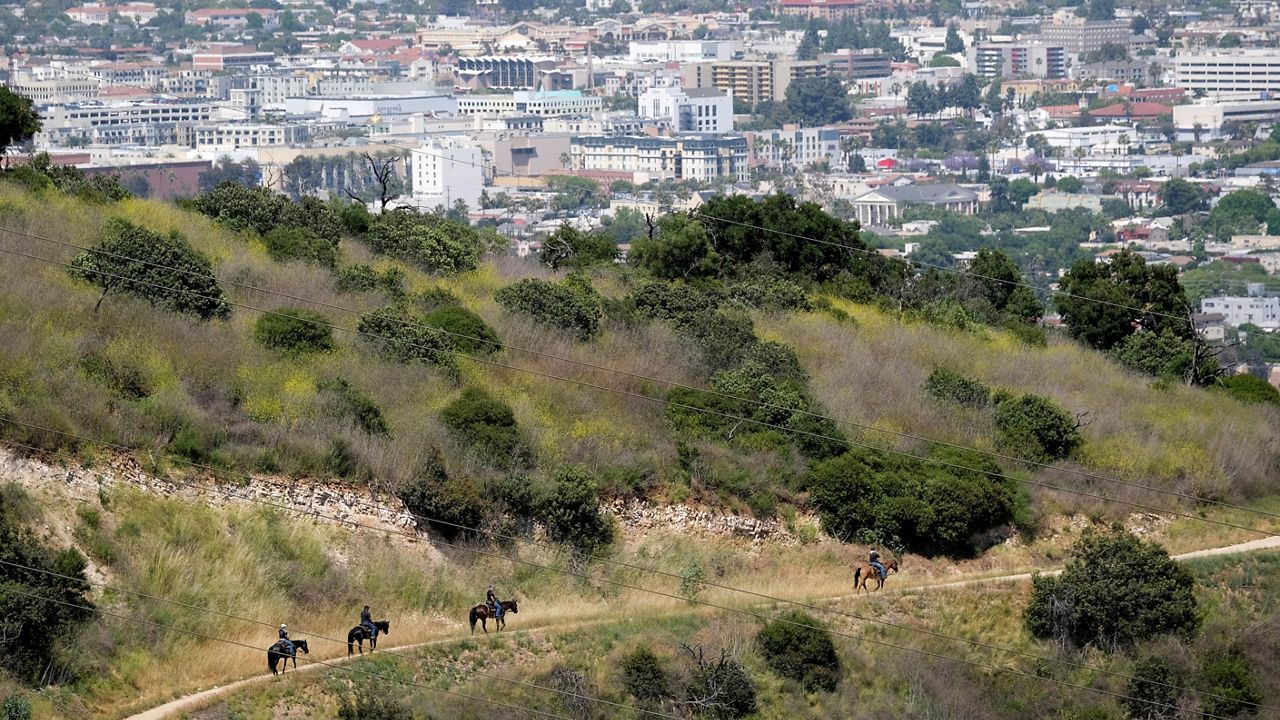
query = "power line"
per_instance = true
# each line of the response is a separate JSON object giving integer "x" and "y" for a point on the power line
{"x": 618, "y": 563}
{"x": 392, "y": 652}
{"x": 305, "y": 657}
{"x": 663, "y": 401}
{"x": 670, "y": 383}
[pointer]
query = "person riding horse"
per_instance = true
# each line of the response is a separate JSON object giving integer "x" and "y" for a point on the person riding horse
{"x": 875, "y": 563}
{"x": 366, "y": 621}
{"x": 491, "y": 598}
{"x": 285, "y": 641}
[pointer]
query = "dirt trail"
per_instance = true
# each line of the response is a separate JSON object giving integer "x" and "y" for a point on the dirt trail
{"x": 199, "y": 699}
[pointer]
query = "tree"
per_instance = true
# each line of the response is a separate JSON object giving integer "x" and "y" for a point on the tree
{"x": 1035, "y": 428}
{"x": 571, "y": 512}
{"x": 19, "y": 122}
{"x": 164, "y": 270}
{"x": 921, "y": 99}
{"x": 1104, "y": 303}
{"x": 954, "y": 44}
{"x": 1070, "y": 184}
{"x": 1152, "y": 692}
{"x": 1229, "y": 40}
{"x": 1181, "y": 197}
{"x": 795, "y": 646}
{"x": 818, "y": 101}
{"x": 573, "y": 248}
{"x": 1021, "y": 190}
{"x": 680, "y": 250}
{"x": 809, "y": 45}
{"x": 940, "y": 60}
{"x": 1117, "y": 589}
{"x": 433, "y": 243}
{"x": 1249, "y": 389}
{"x": 1242, "y": 211}
{"x": 572, "y": 305}
{"x": 383, "y": 170}
{"x": 294, "y": 331}
{"x": 446, "y": 505}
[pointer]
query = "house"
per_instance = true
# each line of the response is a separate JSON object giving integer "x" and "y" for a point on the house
{"x": 886, "y": 203}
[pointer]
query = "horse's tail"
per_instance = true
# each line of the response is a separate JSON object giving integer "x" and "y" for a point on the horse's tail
{"x": 350, "y": 644}
{"x": 271, "y": 662}
{"x": 474, "y": 616}
{"x": 856, "y": 574}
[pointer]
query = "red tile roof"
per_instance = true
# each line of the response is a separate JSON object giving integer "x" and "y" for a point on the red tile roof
{"x": 1137, "y": 109}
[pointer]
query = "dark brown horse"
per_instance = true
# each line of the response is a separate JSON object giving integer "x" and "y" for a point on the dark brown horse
{"x": 485, "y": 612}
{"x": 360, "y": 633}
{"x": 865, "y": 572}
{"x": 277, "y": 653}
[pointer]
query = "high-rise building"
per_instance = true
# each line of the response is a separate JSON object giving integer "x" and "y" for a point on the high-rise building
{"x": 690, "y": 110}
{"x": 752, "y": 81}
{"x": 1255, "y": 71}
{"x": 1079, "y": 36}
{"x": 1018, "y": 59}
{"x": 446, "y": 170}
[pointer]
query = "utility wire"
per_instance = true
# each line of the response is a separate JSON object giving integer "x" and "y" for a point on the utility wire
{"x": 670, "y": 383}
{"x": 584, "y": 576}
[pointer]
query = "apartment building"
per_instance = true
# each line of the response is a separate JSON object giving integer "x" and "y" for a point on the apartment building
{"x": 43, "y": 91}
{"x": 858, "y": 64}
{"x": 140, "y": 123}
{"x": 678, "y": 50}
{"x": 235, "y": 136}
{"x": 541, "y": 104}
{"x": 1079, "y": 36}
{"x": 229, "y": 18}
{"x": 1254, "y": 307}
{"x": 752, "y": 81}
{"x": 230, "y": 57}
{"x": 822, "y": 9}
{"x": 689, "y": 110}
{"x": 1206, "y": 118}
{"x": 101, "y": 14}
{"x": 446, "y": 170}
{"x": 1255, "y": 71}
{"x": 705, "y": 157}
{"x": 1018, "y": 60}
{"x": 794, "y": 147}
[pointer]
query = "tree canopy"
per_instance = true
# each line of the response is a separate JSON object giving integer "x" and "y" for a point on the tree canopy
{"x": 19, "y": 122}
{"x": 818, "y": 101}
{"x": 1104, "y": 303}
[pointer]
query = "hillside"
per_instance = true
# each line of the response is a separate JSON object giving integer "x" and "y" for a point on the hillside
{"x": 220, "y": 401}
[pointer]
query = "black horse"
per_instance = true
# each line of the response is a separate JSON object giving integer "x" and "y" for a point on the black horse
{"x": 277, "y": 653}
{"x": 360, "y": 633}
{"x": 485, "y": 612}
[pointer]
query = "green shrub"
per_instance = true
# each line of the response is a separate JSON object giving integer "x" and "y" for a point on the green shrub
{"x": 363, "y": 278}
{"x": 372, "y": 702}
{"x": 572, "y": 305}
{"x": 1228, "y": 675}
{"x": 927, "y": 507}
{"x": 488, "y": 426}
{"x": 573, "y": 248}
{"x": 723, "y": 338}
{"x": 300, "y": 243}
{"x": 398, "y": 333}
{"x": 261, "y": 210}
{"x": 1035, "y": 428}
{"x": 795, "y": 646}
{"x": 123, "y": 377}
{"x": 436, "y": 297}
{"x": 770, "y": 294}
{"x": 644, "y": 678}
{"x": 948, "y": 386}
{"x": 467, "y": 331}
{"x": 191, "y": 444}
{"x": 675, "y": 301}
{"x": 1151, "y": 689}
{"x": 720, "y": 688}
{"x": 1030, "y": 334}
{"x": 1248, "y": 388}
{"x": 1165, "y": 355}
{"x": 16, "y": 707}
{"x": 429, "y": 241}
{"x": 1116, "y": 589}
{"x": 692, "y": 579}
{"x": 440, "y": 502}
{"x": 571, "y": 511}
{"x": 354, "y": 216}
{"x": 349, "y": 403}
{"x": 294, "y": 331}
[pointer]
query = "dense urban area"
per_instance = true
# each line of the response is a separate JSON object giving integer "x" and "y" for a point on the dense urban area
{"x": 640, "y": 358}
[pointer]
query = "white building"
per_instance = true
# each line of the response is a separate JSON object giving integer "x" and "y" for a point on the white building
{"x": 236, "y": 136}
{"x": 134, "y": 123}
{"x": 795, "y": 147}
{"x": 1109, "y": 139}
{"x": 1204, "y": 119}
{"x": 542, "y": 104}
{"x": 1255, "y": 308}
{"x": 692, "y": 110}
{"x": 446, "y": 170}
{"x": 1255, "y": 71}
{"x": 682, "y": 51}
{"x": 664, "y": 158}
{"x": 363, "y": 107}
{"x": 101, "y": 14}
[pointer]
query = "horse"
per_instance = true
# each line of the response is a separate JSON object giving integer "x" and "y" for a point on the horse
{"x": 483, "y": 613}
{"x": 276, "y": 653}
{"x": 866, "y": 572}
{"x": 360, "y": 633}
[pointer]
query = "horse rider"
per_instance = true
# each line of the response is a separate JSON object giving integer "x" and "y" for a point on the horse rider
{"x": 285, "y": 641}
{"x": 491, "y": 597}
{"x": 875, "y": 563}
{"x": 366, "y": 621}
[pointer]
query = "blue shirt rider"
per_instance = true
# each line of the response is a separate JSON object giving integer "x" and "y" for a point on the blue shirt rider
{"x": 366, "y": 621}
{"x": 491, "y": 597}
{"x": 285, "y": 641}
{"x": 875, "y": 563}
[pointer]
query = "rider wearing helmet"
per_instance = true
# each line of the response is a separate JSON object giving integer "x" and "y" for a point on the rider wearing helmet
{"x": 875, "y": 563}
{"x": 366, "y": 621}
{"x": 284, "y": 639}
{"x": 491, "y": 597}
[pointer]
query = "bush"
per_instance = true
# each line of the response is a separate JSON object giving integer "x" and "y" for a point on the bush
{"x": 163, "y": 270}
{"x": 926, "y": 507}
{"x": 675, "y": 301}
{"x": 1248, "y": 389}
{"x": 440, "y": 502}
{"x": 397, "y": 333}
{"x": 720, "y": 689}
{"x": 644, "y": 678}
{"x": 1151, "y": 689}
{"x": 1228, "y": 675}
{"x": 488, "y": 426}
{"x": 261, "y": 210}
{"x": 1116, "y": 589}
{"x": 357, "y": 278}
{"x": 573, "y": 248}
{"x": 294, "y": 331}
{"x": 429, "y": 241}
{"x": 795, "y": 646}
{"x": 467, "y": 331}
{"x": 349, "y": 403}
{"x": 722, "y": 337}
{"x": 1164, "y": 355}
{"x": 770, "y": 294}
{"x": 572, "y": 305}
{"x": 15, "y": 707}
{"x": 299, "y": 243}
{"x": 367, "y": 702}
{"x": 571, "y": 512}
{"x": 948, "y": 386}
{"x": 1035, "y": 428}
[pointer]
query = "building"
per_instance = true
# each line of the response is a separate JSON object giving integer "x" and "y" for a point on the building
{"x": 230, "y": 57}
{"x": 1254, "y": 308}
{"x": 136, "y": 123}
{"x": 525, "y": 102}
{"x": 1122, "y": 71}
{"x": 681, "y": 51}
{"x": 886, "y": 203}
{"x": 446, "y": 170}
{"x": 1018, "y": 60}
{"x": 688, "y": 157}
{"x": 752, "y": 81}
{"x": 858, "y": 64}
{"x": 43, "y": 91}
{"x": 236, "y": 136}
{"x": 822, "y": 9}
{"x": 1206, "y": 118}
{"x": 101, "y": 14}
{"x": 230, "y": 18}
{"x": 508, "y": 72}
{"x": 1113, "y": 139}
{"x": 1254, "y": 71}
{"x": 366, "y": 107}
{"x": 1079, "y": 36}
{"x": 795, "y": 147}
{"x": 692, "y": 110}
